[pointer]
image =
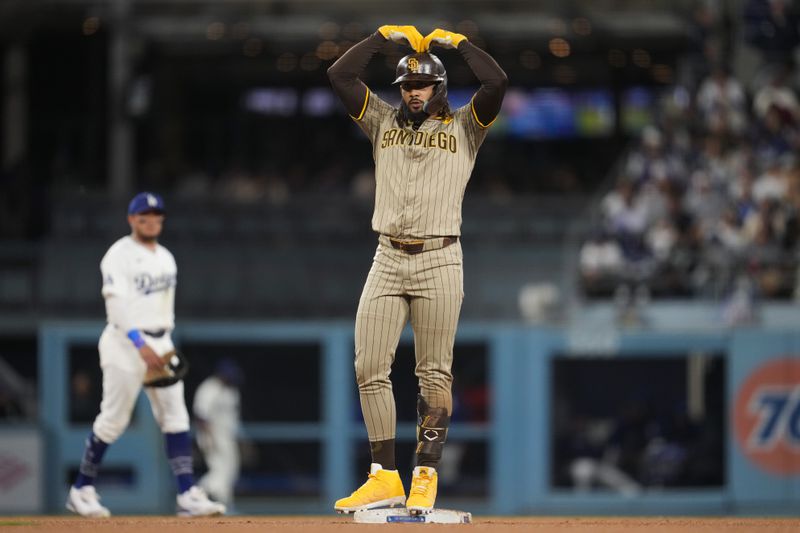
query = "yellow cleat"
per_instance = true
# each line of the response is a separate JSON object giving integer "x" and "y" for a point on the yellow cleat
{"x": 422, "y": 495}
{"x": 383, "y": 489}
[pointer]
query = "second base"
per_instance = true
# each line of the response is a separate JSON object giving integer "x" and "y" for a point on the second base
{"x": 400, "y": 514}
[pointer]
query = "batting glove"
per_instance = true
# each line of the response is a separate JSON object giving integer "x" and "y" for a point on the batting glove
{"x": 403, "y": 35}
{"x": 443, "y": 38}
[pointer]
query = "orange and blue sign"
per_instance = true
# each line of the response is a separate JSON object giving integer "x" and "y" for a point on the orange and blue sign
{"x": 766, "y": 416}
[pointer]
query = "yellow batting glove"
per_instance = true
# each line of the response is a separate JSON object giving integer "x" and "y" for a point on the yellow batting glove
{"x": 443, "y": 38}
{"x": 403, "y": 35}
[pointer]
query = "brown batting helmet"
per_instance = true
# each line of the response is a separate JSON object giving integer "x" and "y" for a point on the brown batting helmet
{"x": 422, "y": 66}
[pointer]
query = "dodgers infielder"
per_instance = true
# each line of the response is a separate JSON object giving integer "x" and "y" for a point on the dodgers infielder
{"x": 139, "y": 279}
{"x": 424, "y": 154}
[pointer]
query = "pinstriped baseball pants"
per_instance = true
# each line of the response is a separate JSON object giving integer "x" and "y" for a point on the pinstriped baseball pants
{"x": 427, "y": 289}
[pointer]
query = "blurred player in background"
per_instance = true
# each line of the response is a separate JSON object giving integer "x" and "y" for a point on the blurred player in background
{"x": 424, "y": 154}
{"x": 139, "y": 279}
{"x": 217, "y": 419}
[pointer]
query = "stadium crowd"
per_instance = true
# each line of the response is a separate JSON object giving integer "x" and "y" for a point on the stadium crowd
{"x": 707, "y": 203}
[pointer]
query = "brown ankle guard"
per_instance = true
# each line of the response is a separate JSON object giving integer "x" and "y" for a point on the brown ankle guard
{"x": 432, "y": 424}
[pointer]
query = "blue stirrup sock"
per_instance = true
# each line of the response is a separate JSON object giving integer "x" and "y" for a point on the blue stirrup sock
{"x": 179, "y": 454}
{"x": 92, "y": 456}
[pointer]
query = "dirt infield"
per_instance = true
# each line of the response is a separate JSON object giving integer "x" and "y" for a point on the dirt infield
{"x": 262, "y": 524}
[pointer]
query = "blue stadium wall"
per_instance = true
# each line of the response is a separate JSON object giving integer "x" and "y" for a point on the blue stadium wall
{"x": 517, "y": 433}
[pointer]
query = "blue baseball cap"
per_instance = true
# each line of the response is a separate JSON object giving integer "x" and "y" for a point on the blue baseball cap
{"x": 146, "y": 201}
{"x": 230, "y": 371}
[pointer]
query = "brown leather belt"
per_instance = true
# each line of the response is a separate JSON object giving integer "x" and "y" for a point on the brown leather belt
{"x": 417, "y": 245}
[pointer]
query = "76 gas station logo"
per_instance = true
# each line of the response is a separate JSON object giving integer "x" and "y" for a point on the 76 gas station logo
{"x": 766, "y": 416}
{"x": 777, "y": 411}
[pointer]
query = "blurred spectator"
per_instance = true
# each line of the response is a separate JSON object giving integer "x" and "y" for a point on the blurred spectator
{"x": 704, "y": 201}
{"x": 601, "y": 264}
{"x": 779, "y": 95}
{"x": 767, "y": 262}
{"x": 663, "y": 462}
{"x": 728, "y": 232}
{"x": 654, "y": 198}
{"x": 654, "y": 160}
{"x": 538, "y": 302}
{"x": 622, "y": 212}
{"x": 776, "y": 138}
{"x": 741, "y": 193}
{"x": 738, "y": 307}
{"x": 216, "y": 408}
{"x": 595, "y": 462}
{"x": 772, "y": 184}
{"x": 661, "y": 239}
{"x": 713, "y": 163}
{"x": 721, "y": 102}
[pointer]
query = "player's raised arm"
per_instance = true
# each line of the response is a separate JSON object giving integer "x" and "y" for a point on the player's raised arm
{"x": 344, "y": 73}
{"x": 487, "y": 100}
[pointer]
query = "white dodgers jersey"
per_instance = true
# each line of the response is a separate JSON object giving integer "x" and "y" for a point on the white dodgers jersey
{"x": 218, "y": 405}
{"x": 145, "y": 280}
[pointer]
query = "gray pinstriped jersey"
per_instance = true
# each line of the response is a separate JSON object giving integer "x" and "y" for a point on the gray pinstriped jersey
{"x": 420, "y": 175}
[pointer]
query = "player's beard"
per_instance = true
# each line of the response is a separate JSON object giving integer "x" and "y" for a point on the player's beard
{"x": 415, "y": 118}
{"x": 145, "y": 238}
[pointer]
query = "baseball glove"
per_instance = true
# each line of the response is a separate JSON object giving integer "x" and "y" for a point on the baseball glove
{"x": 174, "y": 368}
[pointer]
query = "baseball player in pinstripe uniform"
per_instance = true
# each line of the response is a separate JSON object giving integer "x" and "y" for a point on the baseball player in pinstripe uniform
{"x": 139, "y": 280}
{"x": 424, "y": 154}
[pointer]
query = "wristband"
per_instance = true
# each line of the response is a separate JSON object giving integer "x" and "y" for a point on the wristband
{"x": 136, "y": 338}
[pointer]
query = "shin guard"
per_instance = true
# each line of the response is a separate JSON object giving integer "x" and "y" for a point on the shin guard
{"x": 432, "y": 424}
